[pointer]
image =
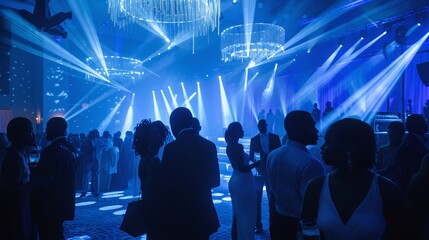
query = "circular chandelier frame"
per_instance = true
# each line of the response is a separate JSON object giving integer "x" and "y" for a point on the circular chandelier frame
{"x": 251, "y": 41}
{"x": 196, "y": 16}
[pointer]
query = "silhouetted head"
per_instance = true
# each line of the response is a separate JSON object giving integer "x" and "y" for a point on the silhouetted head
{"x": 196, "y": 125}
{"x": 349, "y": 143}
{"x": 328, "y": 104}
{"x": 416, "y": 124}
{"x": 262, "y": 126}
{"x": 91, "y": 135}
{"x": 315, "y": 105}
{"x": 396, "y": 131}
{"x": 20, "y": 132}
{"x": 233, "y": 132}
{"x": 129, "y": 134}
{"x": 180, "y": 119}
{"x": 300, "y": 127}
{"x": 56, "y": 127}
{"x": 149, "y": 137}
{"x": 106, "y": 134}
{"x": 96, "y": 133}
{"x": 117, "y": 134}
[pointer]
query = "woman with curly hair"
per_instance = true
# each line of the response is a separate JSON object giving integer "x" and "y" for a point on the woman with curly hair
{"x": 149, "y": 137}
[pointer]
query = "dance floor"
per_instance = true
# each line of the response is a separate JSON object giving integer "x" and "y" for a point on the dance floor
{"x": 99, "y": 218}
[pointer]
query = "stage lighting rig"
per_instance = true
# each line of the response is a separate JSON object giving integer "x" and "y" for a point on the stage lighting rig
{"x": 421, "y": 17}
{"x": 401, "y": 35}
{"x": 41, "y": 18}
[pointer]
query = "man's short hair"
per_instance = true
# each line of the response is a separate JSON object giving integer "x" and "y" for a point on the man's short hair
{"x": 180, "y": 118}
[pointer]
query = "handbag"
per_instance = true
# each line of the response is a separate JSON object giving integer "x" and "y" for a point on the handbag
{"x": 136, "y": 220}
{"x": 139, "y": 217}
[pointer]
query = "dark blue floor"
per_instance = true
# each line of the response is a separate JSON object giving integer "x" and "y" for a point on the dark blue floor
{"x": 99, "y": 218}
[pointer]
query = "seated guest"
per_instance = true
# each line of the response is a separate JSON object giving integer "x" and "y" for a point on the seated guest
{"x": 352, "y": 202}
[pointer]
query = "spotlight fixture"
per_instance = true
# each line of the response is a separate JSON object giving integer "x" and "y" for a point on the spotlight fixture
{"x": 421, "y": 17}
{"x": 401, "y": 35}
{"x": 41, "y": 18}
{"x": 341, "y": 41}
{"x": 363, "y": 33}
{"x": 387, "y": 27}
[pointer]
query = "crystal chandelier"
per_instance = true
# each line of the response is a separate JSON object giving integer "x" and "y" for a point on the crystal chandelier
{"x": 264, "y": 40}
{"x": 195, "y": 16}
{"x": 119, "y": 68}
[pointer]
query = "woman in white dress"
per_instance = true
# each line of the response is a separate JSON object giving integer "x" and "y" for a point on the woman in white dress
{"x": 241, "y": 185}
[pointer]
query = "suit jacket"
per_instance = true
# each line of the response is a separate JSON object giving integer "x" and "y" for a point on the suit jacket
{"x": 255, "y": 146}
{"x": 408, "y": 158}
{"x": 55, "y": 198}
{"x": 189, "y": 170}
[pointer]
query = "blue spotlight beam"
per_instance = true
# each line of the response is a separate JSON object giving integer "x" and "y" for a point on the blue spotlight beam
{"x": 156, "y": 107}
{"x": 268, "y": 91}
{"x": 362, "y": 49}
{"x": 309, "y": 86}
{"x": 79, "y": 103}
{"x": 290, "y": 48}
{"x": 248, "y": 17}
{"x": 28, "y": 32}
{"x": 81, "y": 12}
{"x": 186, "y": 103}
{"x": 173, "y": 98}
{"x": 166, "y": 47}
{"x": 322, "y": 79}
{"x": 379, "y": 86}
{"x": 91, "y": 104}
{"x": 394, "y": 71}
{"x": 226, "y": 111}
{"x": 154, "y": 28}
{"x": 128, "y": 123}
{"x": 103, "y": 125}
{"x": 167, "y": 105}
{"x": 201, "y": 108}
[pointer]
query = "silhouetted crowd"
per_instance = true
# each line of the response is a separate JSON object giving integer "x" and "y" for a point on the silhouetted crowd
{"x": 355, "y": 191}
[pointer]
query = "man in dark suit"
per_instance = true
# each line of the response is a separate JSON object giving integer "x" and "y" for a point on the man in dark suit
{"x": 411, "y": 151}
{"x": 263, "y": 143}
{"x": 55, "y": 199}
{"x": 189, "y": 170}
